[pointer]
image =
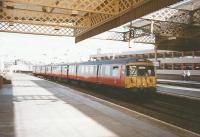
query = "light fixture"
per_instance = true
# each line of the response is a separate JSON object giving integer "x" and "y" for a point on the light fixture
{"x": 74, "y": 13}
{"x": 172, "y": 38}
{"x": 11, "y": 24}
{"x": 56, "y": 28}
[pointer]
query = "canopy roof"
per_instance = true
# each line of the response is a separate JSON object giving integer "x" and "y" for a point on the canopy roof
{"x": 79, "y": 18}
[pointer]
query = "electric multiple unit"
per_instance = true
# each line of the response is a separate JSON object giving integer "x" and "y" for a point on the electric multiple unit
{"x": 131, "y": 73}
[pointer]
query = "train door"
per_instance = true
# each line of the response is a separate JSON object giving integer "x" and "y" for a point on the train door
{"x": 122, "y": 75}
{"x": 100, "y": 74}
{"x": 51, "y": 70}
{"x": 94, "y": 73}
{"x": 61, "y": 70}
{"x": 97, "y": 73}
{"x": 65, "y": 70}
{"x": 115, "y": 74}
{"x": 76, "y": 71}
{"x": 45, "y": 70}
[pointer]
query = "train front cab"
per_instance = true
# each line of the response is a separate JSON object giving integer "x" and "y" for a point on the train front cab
{"x": 140, "y": 76}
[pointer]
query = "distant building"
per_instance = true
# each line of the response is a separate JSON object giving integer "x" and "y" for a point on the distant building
{"x": 7, "y": 66}
{"x": 17, "y": 66}
{"x": 1, "y": 66}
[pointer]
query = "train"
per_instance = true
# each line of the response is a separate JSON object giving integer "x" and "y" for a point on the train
{"x": 130, "y": 73}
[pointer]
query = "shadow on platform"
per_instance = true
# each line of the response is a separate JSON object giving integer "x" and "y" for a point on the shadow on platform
{"x": 7, "y": 116}
{"x": 111, "y": 119}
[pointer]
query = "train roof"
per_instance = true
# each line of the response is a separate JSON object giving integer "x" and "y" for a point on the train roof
{"x": 114, "y": 61}
{"x": 100, "y": 62}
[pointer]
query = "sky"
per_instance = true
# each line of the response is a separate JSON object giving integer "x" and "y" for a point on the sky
{"x": 57, "y": 49}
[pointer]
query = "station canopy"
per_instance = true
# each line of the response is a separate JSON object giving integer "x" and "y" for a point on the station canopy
{"x": 175, "y": 27}
{"x": 81, "y": 19}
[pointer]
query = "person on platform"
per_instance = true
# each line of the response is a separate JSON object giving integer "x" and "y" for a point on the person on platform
{"x": 184, "y": 75}
{"x": 188, "y": 75}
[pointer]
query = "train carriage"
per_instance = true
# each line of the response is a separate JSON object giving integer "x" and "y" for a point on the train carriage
{"x": 109, "y": 73}
{"x": 87, "y": 72}
{"x": 131, "y": 73}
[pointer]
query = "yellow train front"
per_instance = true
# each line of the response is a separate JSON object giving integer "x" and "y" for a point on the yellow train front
{"x": 140, "y": 75}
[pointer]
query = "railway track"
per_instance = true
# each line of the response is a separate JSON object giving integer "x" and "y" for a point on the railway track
{"x": 180, "y": 95}
{"x": 181, "y": 112}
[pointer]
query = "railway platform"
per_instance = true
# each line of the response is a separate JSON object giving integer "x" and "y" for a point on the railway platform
{"x": 33, "y": 107}
{"x": 186, "y": 89}
{"x": 193, "y": 84}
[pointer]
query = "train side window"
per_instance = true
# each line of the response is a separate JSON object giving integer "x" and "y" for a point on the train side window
{"x": 72, "y": 69}
{"x": 115, "y": 71}
{"x": 53, "y": 69}
{"x": 102, "y": 70}
{"x": 107, "y": 70}
{"x": 90, "y": 70}
{"x": 82, "y": 69}
{"x": 86, "y": 69}
{"x": 64, "y": 69}
{"x": 58, "y": 68}
{"x": 47, "y": 69}
{"x": 94, "y": 70}
{"x": 69, "y": 69}
{"x": 79, "y": 70}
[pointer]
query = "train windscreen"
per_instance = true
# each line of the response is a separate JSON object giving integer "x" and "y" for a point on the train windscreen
{"x": 133, "y": 70}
